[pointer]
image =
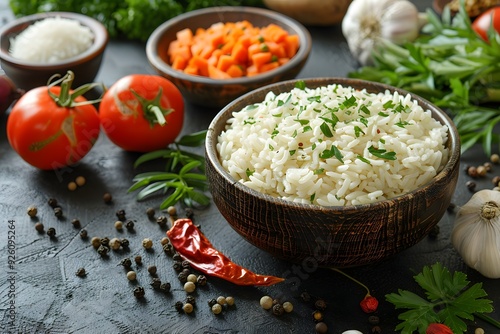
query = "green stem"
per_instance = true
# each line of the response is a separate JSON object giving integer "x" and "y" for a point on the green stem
{"x": 488, "y": 319}
{"x": 353, "y": 279}
{"x": 160, "y": 118}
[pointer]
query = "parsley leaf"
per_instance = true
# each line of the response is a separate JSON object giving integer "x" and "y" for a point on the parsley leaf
{"x": 382, "y": 153}
{"x": 332, "y": 152}
{"x": 449, "y": 301}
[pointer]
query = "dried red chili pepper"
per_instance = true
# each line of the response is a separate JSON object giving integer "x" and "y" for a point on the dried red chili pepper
{"x": 369, "y": 304}
{"x": 438, "y": 329}
{"x": 195, "y": 248}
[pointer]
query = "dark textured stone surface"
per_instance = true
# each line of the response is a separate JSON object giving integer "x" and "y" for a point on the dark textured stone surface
{"x": 51, "y": 298}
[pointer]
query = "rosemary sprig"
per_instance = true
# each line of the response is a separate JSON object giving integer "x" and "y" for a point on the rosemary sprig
{"x": 183, "y": 178}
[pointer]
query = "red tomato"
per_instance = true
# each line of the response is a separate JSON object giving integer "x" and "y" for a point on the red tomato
{"x": 482, "y": 23}
{"x": 128, "y": 117}
{"x": 47, "y": 135}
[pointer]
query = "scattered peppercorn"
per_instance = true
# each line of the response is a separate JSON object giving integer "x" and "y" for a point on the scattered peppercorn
{"x": 192, "y": 278}
{"x": 152, "y": 270}
{"x": 212, "y": 302}
{"x": 495, "y": 158}
{"x": 178, "y": 305}
{"x": 165, "y": 287}
{"x": 76, "y": 223}
{"x": 155, "y": 283}
{"x": 107, "y": 198}
{"x": 305, "y": 296}
{"x": 129, "y": 225}
{"x": 188, "y": 308}
{"x": 201, "y": 280}
{"x": 191, "y": 300}
{"x": 434, "y": 232}
{"x": 58, "y": 212}
{"x": 139, "y": 292}
{"x": 186, "y": 272}
{"x": 119, "y": 225}
{"x": 39, "y": 227}
{"x": 32, "y": 211}
{"x": 177, "y": 266}
{"x": 162, "y": 221}
{"x": 376, "y": 329}
{"x": 189, "y": 213}
{"x": 138, "y": 260}
{"x": 95, "y": 242}
{"x": 321, "y": 328}
{"x": 488, "y": 166}
{"x": 115, "y": 243}
{"x": 168, "y": 249}
{"x": 80, "y": 181}
{"x": 230, "y": 301}
{"x": 84, "y": 234}
{"x": 103, "y": 250}
{"x": 164, "y": 241}
{"x": 481, "y": 171}
{"x": 81, "y": 272}
{"x": 216, "y": 309}
{"x": 471, "y": 185}
{"x": 287, "y": 307}
{"x": 172, "y": 211}
{"x": 52, "y": 202}
{"x": 317, "y": 316}
{"x": 320, "y": 304}
{"x": 150, "y": 212}
{"x": 147, "y": 243}
{"x": 278, "y": 309}
{"x": 472, "y": 171}
{"x": 451, "y": 207}
{"x": 177, "y": 257}
{"x": 479, "y": 331}
{"x": 182, "y": 277}
{"x": 120, "y": 214}
{"x": 131, "y": 275}
{"x": 373, "y": 320}
{"x": 266, "y": 302}
{"x": 72, "y": 186}
{"x": 125, "y": 243}
{"x": 185, "y": 264}
{"x": 126, "y": 262}
{"x": 51, "y": 232}
{"x": 189, "y": 287}
{"x": 105, "y": 241}
{"x": 496, "y": 180}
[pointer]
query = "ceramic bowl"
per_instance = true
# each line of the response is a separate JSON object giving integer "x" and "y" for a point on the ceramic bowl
{"x": 214, "y": 93}
{"x": 28, "y": 74}
{"x": 335, "y": 236}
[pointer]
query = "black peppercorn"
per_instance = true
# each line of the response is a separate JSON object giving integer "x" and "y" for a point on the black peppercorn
{"x": 105, "y": 241}
{"x": 212, "y": 302}
{"x": 373, "y": 320}
{"x": 138, "y": 260}
{"x": 152, "y": 270}
{"x": 124, "y": 243}
{"x": 278, "y": 309}
{"x": 129, "y": 225}
{"x": 126, "y": 262}
{"x": 169, "y": 249}
{"x": 177, "y": 257}
{"x": 58, "y": 212}
{"x": 103, "y": 250}
{"x": 120, "y": 214}
{"x": 81, "y": 272}
{"x": 182, "y": 277}
{"x": 201, "y": 280}
{"x": 165, "y": 287}
{"x": 84, "y": 234}
{"x": 150, "y": 212}
{"x": 320, "y": 304}
{"x": 185, "y": 265}
{"x": 189, "y": 213}
{"x": 162, "y": 221}
{"x": 51, "y": 232}
{"x": 471, "y": 185}
{"x": 52, "y": 202}
{"x": 139, "y": 292}
{"x": 305, "y": 296}
{"x": 75, "y": 223}
{"x": 451, "y": 207}
{"x": 191, "y": 300}
{"x": 376, "y": 329}
{"x": 179, "y": 305}
{"x": 177, "y": 266}
{"x": 155, "y": 283}
{"x": 107, "y": 198}
{"x": 434, "y": 231}
{"x": 321, "y": 328}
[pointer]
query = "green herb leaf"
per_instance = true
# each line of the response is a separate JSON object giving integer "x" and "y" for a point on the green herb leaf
{"x": 332, "y": 152}
{"x": 325, "y": 128}
{"x": 300, "y": 84}
{"x": 382, "y": 153}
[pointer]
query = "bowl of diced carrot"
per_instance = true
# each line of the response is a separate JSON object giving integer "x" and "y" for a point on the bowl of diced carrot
{"x": 217, "y": 54}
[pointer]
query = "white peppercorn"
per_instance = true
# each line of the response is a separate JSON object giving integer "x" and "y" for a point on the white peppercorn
{"x": 119, "y": 225}
{"x": 147, "y": 243}
{"x": 216, "y": 308}
{"x": 188, "y": 308}
{"x": 192, "y": 278}
{"x": 189, "y": 287}
{"x": 131, "y": 275}
{"x": 230, "y": 301}
{"x": 221, "y": 300}
{"x": 115, "y": 243}
{"x": 288, "y": 307}
{"x": 266, "y": 302}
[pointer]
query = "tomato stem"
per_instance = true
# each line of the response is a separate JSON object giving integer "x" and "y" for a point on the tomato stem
{"x": 153, "y": 111}
{"x": 66, "y": 97}
{"x": 160, "y": 118}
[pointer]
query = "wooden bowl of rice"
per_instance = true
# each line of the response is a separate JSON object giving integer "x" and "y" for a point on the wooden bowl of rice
{"x": 34, "y": 48}
{"x": 216, "y": 93}
{"x": 372, "y": 186}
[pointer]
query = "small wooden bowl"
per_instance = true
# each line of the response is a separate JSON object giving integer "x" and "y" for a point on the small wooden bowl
{"x": 28, "y": 74}
{"x": 213, "y": 93}
{"x": 330, "y": 236}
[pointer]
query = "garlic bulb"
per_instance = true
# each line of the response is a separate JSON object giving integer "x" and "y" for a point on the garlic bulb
{"x": 476, "y": 233}
{"x": 368, "y": 21}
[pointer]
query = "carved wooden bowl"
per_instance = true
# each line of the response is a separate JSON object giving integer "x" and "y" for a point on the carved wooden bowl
{"x": 330, "y": 236}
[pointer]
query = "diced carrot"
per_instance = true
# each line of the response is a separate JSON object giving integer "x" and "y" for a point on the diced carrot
{"x": 215, "y": 73}
{"x": 231, "y": 49}
{"x": 235, "y": 71}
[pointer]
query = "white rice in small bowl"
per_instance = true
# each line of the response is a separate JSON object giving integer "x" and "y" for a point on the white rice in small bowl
{"x": 333, "y": 146}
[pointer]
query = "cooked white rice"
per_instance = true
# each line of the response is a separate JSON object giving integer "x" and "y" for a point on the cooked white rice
{"x": 281, "y": 146}
{"x": 51, "y": 40}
